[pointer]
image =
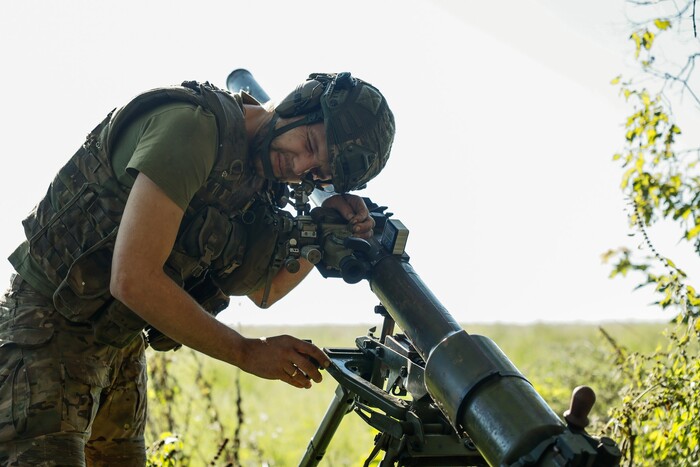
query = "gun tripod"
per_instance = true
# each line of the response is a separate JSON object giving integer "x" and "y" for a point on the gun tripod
{"x": 411, "y": 432}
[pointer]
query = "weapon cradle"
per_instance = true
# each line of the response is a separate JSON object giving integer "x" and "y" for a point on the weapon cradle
{"x": 411, "y": 433}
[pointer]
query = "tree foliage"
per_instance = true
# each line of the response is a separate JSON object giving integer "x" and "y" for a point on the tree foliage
{"x": 657, "y": 419}
{"x": 661, "y": 178}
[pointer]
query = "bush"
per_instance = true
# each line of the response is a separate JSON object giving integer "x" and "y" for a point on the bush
{"x": 657, "y": 420}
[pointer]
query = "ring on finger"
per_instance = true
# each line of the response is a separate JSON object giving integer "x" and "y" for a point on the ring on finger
{"x": 296, "y": 370}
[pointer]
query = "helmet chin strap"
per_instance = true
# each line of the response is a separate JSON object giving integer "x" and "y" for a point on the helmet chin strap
{"x": 265, "y": 151}
{"x": 273, "y": 133}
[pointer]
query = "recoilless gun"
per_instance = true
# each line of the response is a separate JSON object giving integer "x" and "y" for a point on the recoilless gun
{"x": 436, "y": 394}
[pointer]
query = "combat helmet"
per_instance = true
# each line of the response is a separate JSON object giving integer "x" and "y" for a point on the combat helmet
{"x": 359, "y": 125}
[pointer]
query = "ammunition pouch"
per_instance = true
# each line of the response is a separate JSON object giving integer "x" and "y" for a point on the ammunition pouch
{"x": 117, "y": 325}
{"x": 85, "y": 289}
{"x": 263, "y": 224}
{"x": 215, "y": 238}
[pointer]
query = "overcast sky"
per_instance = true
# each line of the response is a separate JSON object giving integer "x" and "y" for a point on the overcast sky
{"x": 506, "y": 124}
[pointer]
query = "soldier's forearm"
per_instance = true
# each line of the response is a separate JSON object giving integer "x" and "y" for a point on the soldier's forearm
{"x": 281, "y": 284}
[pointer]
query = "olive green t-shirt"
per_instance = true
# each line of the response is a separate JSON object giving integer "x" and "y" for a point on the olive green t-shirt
{"x": 174, "y": 145}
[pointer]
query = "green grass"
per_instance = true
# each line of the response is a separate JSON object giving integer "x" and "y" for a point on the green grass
{"x": 278, "y": 420}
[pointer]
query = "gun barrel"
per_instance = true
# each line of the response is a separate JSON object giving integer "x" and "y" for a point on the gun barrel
{"x": 241, "y": 79}
{"x": 480, "y": 391}
{"x": 412, "y": 305}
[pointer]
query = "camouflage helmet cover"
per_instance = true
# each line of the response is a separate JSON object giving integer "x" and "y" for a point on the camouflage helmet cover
{"x": 359, "y": 124}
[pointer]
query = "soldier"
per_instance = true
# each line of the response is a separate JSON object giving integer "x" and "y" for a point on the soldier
{"x": 166, "y": 210}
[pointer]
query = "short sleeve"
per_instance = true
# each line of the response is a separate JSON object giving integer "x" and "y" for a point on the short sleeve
{"x": 175, "y": 146}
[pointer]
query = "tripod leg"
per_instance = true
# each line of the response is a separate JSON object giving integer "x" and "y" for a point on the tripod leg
{"x": 341, "y": 404}
{"x": 379, "y": 444}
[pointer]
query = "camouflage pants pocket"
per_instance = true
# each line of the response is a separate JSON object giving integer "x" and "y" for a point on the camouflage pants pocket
{"x": 15, "y": 381}
{"x": 118, "y": 431}
{"x": 14, "y": 395}
{"x": 83, "y": 382}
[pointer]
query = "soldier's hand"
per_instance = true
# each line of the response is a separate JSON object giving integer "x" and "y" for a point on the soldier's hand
{"x": 285, "y": 358}
{"x": 354, "y": 210}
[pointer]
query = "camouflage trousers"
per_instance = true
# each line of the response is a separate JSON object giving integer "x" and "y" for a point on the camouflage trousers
{"x": 66, "y": 400}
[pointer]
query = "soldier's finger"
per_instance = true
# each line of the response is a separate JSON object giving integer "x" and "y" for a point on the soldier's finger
{"x": 308, "y": 370}
{"x": 294, "y": 380}
{"x": 313, "y": 353}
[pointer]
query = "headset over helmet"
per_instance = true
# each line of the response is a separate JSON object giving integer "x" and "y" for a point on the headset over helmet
{"x": 359, "y": 125}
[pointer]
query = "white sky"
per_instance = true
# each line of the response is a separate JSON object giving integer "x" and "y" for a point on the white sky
{"x": 501, "y": 166}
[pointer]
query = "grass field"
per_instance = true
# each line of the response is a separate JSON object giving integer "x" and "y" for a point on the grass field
{"x": 206, "y": 402}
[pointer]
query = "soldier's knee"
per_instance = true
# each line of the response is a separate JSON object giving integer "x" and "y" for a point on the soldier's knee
{"x": 61, "y": 449}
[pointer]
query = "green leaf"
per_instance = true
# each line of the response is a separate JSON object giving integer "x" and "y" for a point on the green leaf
{"x": 637, "y": 43}
{"x": 662, "y": 24}
{"x": 648, "y": 39}
{"x": 692, "y": 233}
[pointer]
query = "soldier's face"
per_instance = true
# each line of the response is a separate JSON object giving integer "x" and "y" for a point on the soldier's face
{"x": 301, "y": 151}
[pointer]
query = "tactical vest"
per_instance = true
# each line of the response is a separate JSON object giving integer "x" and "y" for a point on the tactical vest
{"x": 71, "y": 232}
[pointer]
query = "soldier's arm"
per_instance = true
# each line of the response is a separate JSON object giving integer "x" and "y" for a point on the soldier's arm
{"x": 283, "y": 283}
{"x": 146, "y": 236}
